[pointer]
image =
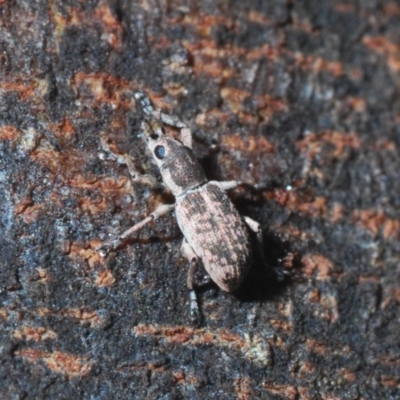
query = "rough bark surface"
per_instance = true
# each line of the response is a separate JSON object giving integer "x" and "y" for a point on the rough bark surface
{"x": 301, "y": 99}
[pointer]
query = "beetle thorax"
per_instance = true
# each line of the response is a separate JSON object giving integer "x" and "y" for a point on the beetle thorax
{"x": 182, "y": 172}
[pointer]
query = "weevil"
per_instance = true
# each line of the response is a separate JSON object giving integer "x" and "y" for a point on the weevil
{"x": 215, "y": 235}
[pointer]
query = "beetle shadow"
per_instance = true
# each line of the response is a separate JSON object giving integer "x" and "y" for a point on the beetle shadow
{"x": 267, "y": 277}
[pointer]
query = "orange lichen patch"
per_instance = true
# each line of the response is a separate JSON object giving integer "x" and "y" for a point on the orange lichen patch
{"x": 305, "y": 369}
{"x": 291, "y": 232}
{"x": 212, "y": 116}
{"x": 93, "y": 207}
{"x": 149, "y": 367}
{"x": 392, "y": 294}
{"x": 299, "y": 202}
{"x": 31, "y": 212}
{"x": 316, "y": 264}
{"x": 179, "y": 377}
{"x": 346, "y": 375}
{"x": 259, "y": 18}
{"x": 100, "y": 88}
{"x": 382, "y": 45}
{"x": 112, "y": 29}
{"x": 85, "y": 252}
{"x": 281, "y": 325}
{"x": 356, "y": 74}
{"x": 22, "y": 205}
{"x": 103, "y": 188}
{"x": 205, "y": 23}
{"x": 384, "y": 144}
{"x": 254, "y": 348}
{"x": 210, "y": 59}
{"x": 102, "y": 18}
{"x": 392, "y": 9}
{"x": 285, "y": 391}
{"x": 344, "y": 7}
{"x": 318, "y": 64}
{"x": 388, "y": 361}
{"x": 375, "y": 221}
{"x": 314, "y": 296}
{"x": 90, "y": 317}
{"x": 372, "y": 220}
{"x": 315, "y": 208}
{"x": 104, "y": 278}
{"x": 63, "y": 130}
{"x": 82, "y": 315}
{"x": 280, "y": 195}
{"x": 50, "y": 158}
{"x": 341, "y": 141}
{"x": 336, "y": 212}
{"x": 61, "y": 363}
{"x": 330, "y": 306}
{"x": 34, "y": 333}
{"x": 251, "y": 144}
{"x": 43, "y": 275}
{"x": 390, "y": 381}
{"x": 357, "y": 104}
{"x": 242, "y": 388}
{"x": 368, "y": 279}
{"x": 97, "y": 265}
{"x": 391, "y": 228}
{"x": 266, "y": 105}
{"x": 120, "y": 184}
{"x": 312, "y": 143}
{"x": 316, "y": 346}
{"x": 182, "y": 378}
{"x": 60, "y": 21}
{"x": 262, "y": 52}
{"x": 286, "y": 309}
{"x": 9, "y": 132}
{"x": 24, "y": 87}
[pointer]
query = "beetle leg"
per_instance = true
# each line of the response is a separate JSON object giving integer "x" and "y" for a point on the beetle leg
{"x": 172, "y": 121}
{"x": 186, "y": 133}
{"x": 145, "y": 179}
{"x": 116, "y": 242}
{"x": 227, "y": 185}
{"x": 186, "y": 137}
{"x": 256, "y": 227}
{"x": 136, "y": 176}
{"x": 191, "y": 256}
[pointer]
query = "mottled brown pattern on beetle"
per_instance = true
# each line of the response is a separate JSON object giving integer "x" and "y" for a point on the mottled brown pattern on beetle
{"x": 217, "y": 233}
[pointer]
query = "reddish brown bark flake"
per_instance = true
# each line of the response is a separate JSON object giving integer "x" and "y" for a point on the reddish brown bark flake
{"x": 59, "y": 362}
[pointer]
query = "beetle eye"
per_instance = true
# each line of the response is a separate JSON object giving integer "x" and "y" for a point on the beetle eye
{"x": 159, "y": 151}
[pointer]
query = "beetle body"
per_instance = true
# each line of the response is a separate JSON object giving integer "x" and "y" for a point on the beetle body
{"x": 206, "y": 216}
{"x": 214, "y": 232}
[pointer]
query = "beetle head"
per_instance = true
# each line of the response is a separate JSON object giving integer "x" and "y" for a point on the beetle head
{"x": 179, "y": 168}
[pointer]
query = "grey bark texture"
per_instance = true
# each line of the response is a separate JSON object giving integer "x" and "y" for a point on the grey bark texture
{"x": 299, "y": 99}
